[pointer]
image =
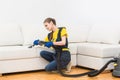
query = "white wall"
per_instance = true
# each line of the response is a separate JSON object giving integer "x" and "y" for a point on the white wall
{"x": 71, "y": 12}
{"x": 25, "y": 11}
{"x": 66, "y": 12}
{"x": 75, "y": 12}
{"x": 104, "y": 11}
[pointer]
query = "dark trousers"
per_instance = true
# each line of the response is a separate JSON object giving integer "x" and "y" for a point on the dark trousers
{"x": 52, "y": 58}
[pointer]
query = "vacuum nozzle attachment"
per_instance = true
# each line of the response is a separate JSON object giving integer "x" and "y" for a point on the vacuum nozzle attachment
{"x": 40, "y": 43}
{"x": 31, "y": 46}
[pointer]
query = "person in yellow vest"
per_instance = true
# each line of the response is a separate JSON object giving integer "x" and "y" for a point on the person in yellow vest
{"x": 58, "y": 40}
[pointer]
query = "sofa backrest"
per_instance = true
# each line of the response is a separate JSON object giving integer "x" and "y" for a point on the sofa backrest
{"x": 104, "y": 33}
{"x": 78, "y": 33}
{"x": 32, "y": 32}
{"x": 10, "y": 34}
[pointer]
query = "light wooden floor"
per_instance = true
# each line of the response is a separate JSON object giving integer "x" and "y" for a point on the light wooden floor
{"x": 42, "y": 75}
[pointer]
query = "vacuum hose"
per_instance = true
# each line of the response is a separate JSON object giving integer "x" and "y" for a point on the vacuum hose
{"x": 68, "y": 75}
{"x": 102, "y": 69}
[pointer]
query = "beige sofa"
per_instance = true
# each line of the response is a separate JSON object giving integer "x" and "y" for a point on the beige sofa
{"x": 90, "y": 46}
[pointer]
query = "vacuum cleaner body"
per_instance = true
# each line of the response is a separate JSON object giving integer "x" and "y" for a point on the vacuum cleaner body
{"x": 116, "y": 71}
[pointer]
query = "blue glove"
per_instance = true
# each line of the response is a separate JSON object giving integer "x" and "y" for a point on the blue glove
{"x": 49, "y": 44}
{"x": 36, "y": 42}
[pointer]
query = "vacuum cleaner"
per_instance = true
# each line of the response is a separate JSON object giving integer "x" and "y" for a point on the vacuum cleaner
{"x": 92, "y": 73}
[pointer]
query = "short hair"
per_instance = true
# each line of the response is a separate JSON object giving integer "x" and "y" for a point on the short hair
{"x": 49, "y": 20}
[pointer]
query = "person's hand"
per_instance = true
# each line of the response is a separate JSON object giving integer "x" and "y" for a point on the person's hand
{"x": 49, "y": 44}
{"x": 36, "y": 42}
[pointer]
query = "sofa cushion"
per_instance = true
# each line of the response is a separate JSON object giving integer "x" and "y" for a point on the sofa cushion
{"x": 98, "y": 50}
{"x": 78, "y": 34}
{"x": 32, "y": 32}
{"x": 93, "y": 62}
{"x": 73, "y": 48}
{"x": 105, "y": 33}
{"x": 41, "y": 48}
{"x": 17, "y": 52}
{"x": 10, "y": 34}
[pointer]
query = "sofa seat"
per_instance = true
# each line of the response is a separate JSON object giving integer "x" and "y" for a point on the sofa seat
{"x": 73, "y": 48}
{"x": 98, "y": 50}
{"x": 90, "y": 54}
{"x": 93, "y": 62}
{"x": 19, "y": 59}
{"x": 21, "y": 65}
{"x": 17, "y": 52}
